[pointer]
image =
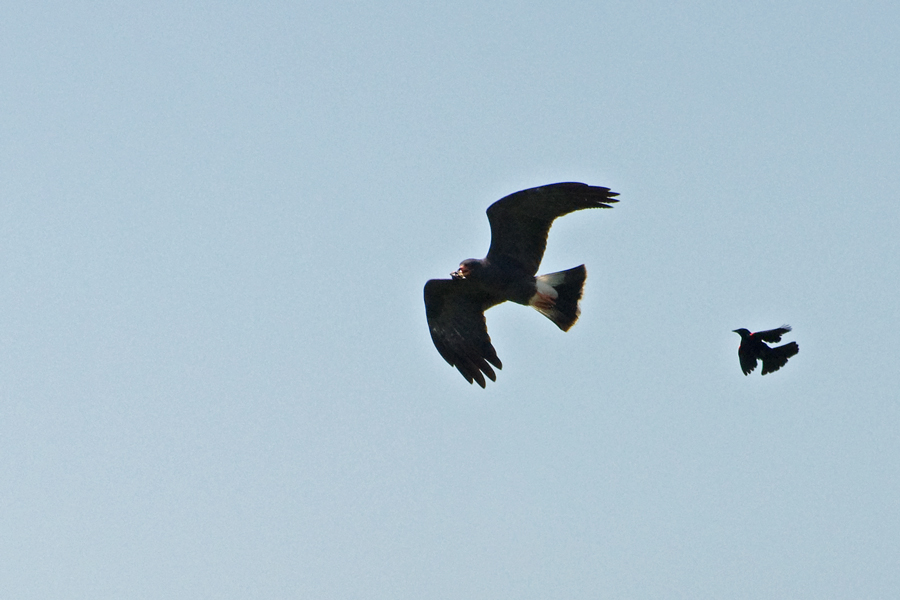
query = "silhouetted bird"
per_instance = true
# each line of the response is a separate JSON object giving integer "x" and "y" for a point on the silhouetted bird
{"x": 753, "y": 347}
{"x": 519, "y": 226}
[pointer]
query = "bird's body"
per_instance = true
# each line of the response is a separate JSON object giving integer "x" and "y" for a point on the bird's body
{"x": 753, "y": 348}
{"x": 519, "y": 226}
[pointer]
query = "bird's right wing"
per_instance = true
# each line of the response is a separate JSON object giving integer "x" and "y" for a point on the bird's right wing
{"x": 772, "y": 335}
{"x": 520, "y": 222}
{"x": 455, "y": 314}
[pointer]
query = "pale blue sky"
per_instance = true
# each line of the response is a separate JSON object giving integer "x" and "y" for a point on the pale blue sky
{"x": 216, "y": 380}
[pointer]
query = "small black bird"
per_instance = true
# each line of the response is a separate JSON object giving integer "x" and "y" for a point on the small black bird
{"x": 753, "y": 348}
{"x": 519, "y": 226}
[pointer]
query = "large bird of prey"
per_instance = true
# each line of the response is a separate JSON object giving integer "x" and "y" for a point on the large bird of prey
{"x": 519, "y": 226}
{"x": 753, "y": 348}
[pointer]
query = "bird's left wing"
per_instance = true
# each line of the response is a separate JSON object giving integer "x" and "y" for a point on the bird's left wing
{"x": 455, "y": 313}
{"x": 772, "y": 335}
{"x": 520, "y": 222}
{"x": 748, "y": 361}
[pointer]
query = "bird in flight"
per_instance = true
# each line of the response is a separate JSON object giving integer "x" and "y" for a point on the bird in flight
{"x": 519, "y": 226}
{"x": 753, "y": 348}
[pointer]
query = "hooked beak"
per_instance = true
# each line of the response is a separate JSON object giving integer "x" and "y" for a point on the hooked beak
{"x": 458, "y": 274}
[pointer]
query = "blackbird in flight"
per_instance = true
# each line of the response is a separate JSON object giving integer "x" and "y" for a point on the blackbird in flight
{"x": 519, "y": 222}
{"x": 753, "y": 348}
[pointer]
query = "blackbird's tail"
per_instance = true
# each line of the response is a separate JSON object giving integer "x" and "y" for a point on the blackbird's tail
{"x": 777, "y": 357}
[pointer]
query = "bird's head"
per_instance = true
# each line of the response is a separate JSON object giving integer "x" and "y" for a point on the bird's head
{"x": 467, "y": 268}
{"x": 744, "y": 333}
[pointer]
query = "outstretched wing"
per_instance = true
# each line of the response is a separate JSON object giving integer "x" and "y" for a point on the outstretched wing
{"x": 772, "y": 335}
{"x": 520, "y": 222}
{"x": 748, "y": 360}
{"x": 455, "y": 312}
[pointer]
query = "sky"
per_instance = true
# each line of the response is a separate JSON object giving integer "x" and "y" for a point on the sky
{"x": 216, "y": 378}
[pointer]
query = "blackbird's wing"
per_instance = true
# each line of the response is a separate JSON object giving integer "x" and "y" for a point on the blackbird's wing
{"x": 520, "y": 222}
{"x": 455, "y": 312}
{"x": 772, "y": 335}
{"x": 748, "y": 360}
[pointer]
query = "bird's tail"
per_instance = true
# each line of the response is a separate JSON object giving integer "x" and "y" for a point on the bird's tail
{"x": 777, "y": 357}
{"x": 558, "y": 295}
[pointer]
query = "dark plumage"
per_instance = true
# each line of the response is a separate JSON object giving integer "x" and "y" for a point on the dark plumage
{"x": 519, "y": 226}
{"x": 753, "y": 348}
